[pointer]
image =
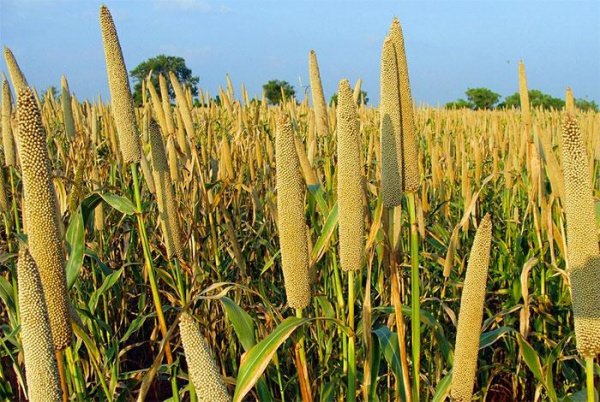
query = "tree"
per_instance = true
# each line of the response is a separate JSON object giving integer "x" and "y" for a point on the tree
{"x": 363, "y": 95}
{"x": 460, "y": 104}
{"x": 163, "y": 64}
{"x": 274, "y": 88}
{"x": 536, "y": 99}
{"x": 482, "y": 98}
{"x": 585, "y": 104}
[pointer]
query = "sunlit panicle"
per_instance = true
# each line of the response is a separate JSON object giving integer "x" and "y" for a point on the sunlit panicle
{"x": 350, "y": 185}
{"x": 582, "y": 244}
{"x": 291, "y": 220}
{"x": 42, "y": 220}
{"x": 120, "y": 92}
{"x": 471, "y": 314}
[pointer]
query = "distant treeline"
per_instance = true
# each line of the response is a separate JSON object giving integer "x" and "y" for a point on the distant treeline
{"x": 484, "y": 98}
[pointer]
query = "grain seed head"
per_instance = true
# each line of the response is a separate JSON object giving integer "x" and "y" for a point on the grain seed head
{"x": 42, "y": 220}
{"x": 291, "y": 218}
{"x": 471, "y": 314}
{"x": 120, "y": 92}
{"x": 350, "y": 185}
{"x": 43, "y": 383}
{"x": 202, "y": 368}
{"x": 582, "y": 244}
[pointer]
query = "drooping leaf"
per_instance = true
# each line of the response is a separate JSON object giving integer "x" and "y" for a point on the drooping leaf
{"x": 490, "y": 337}
{"x": 241, "y": 321}
{"x": 322, "y": 243}
{"x": 532, "y": 359}
{"x": 119, "y": 203}
{"x": 75, "y": 237}
{"x": 257, "y": 358}
{"x": 442, "y": 391}
{"x": 6, "y": 293}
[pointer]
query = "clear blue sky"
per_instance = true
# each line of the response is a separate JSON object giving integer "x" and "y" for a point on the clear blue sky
{"x": 451, "y": 45}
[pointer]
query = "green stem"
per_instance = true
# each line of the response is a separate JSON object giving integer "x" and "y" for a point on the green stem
{"x": 174, "y": 384}
{"x": 303, "y": 371}
{"x": 589, "y": 368}
{"x": 351, "y": 350}
{"x": 415, "y": 296}
{"x": 180, "y": 285}
{"x": 342, "y": 311}
{"x": 149, "y": 262}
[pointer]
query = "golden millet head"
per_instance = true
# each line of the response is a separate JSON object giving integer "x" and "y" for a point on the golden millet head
{"x": 16, "y": 75}
{"x": 7, "y": 134}
{"x": 569, "y": 101}
{"x": 408, "y": 142}
{"x": 43, "y": 381}
{"x": 318, "y": 97}
{"x": 165, "y": 196}
{"x": 67, "y": 108}
{"x": 291, "y": 218}
{"x": 389, "y": 111}
{"x": 350, "y": 182}
{"x": 582, "y": 245}
{"x": 471, "y": 314}
{"x": 157, "y": 148}
{"x": 201, "y": 366}
{"x": 39, "y": 202}
{"x": 120, "y": 92}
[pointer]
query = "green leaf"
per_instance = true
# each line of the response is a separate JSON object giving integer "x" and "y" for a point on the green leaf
{"x": 443, "y": 388}
{"x": 532, "y": 359}
{"x": 430, "y": 321}
{"x": 75, "y": 237}
{"x": 325, "y": 306}
{"x": 119, "y": 203}
{"x": 389, "y": 343}
{"x": 108, "y": 283}
{"x": 270, "y": 263}
{"x": 322, "y": 243}
{"x": 241, "y": 321}
{"x": 375, "y": 363}
{"x": 88, "y": 204}
{"x": 580, "y": 396}
{"x": 7, "y": 293}
{"x": 490, "y": 337}
{"x": 328, "y": 394}
{"x": 317, "y": 191}
{"x": 257, "y": 358}
{"x": 134, "y": 326}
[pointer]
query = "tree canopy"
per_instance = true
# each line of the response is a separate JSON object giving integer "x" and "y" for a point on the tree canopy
{"x": 162, "y": 64}
{"x": 274, "y": 89}
{"x": 585, "y": 104}
{"x": 536, "y": 99}
{"x": 483, "y": 98}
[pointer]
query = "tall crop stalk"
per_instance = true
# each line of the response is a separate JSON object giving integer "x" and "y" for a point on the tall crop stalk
{"x": 148, "y": 257}
{"x": 129, "y": 144}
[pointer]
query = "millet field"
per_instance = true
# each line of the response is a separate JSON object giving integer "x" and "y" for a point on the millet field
{"x": 228, "y": 249}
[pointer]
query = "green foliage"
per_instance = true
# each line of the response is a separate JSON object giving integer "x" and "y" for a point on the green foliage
{"x": 274, "y": 89}
{"x": 162, "y": 64}
{"x": 482, "y": 98}
{"x": 537, "y": 99}
{"x": 362, "y": 97}
{"x": 460, "y": 104}
{"x": 585, "y": 104}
